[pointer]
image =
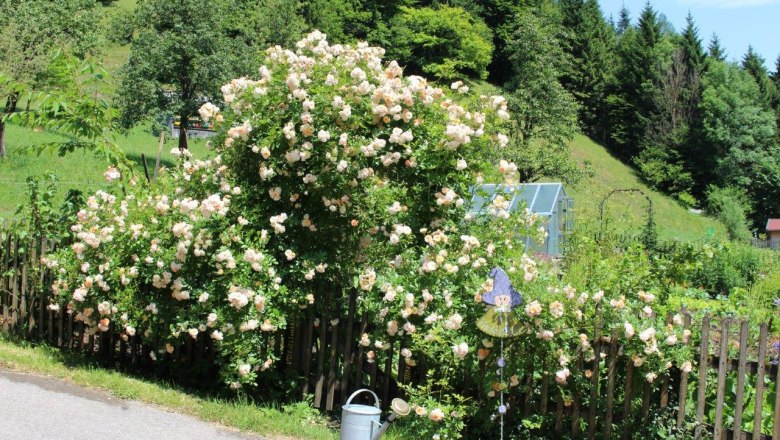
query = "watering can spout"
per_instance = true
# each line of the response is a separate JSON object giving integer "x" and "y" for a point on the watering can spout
{"x": 384, "y": 427}
{"x": 399, "y": 408}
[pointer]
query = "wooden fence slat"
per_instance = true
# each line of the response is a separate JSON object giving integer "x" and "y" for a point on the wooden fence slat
{"x": 613, "y": 355}
{"x": 345, "y": 376}
{"x": 307, "y": 346}
{"x": 23, "y": 303}
{"x": 646, "y": 393}
{"x": 359, "y": 362}
{"x": 722, "y": 373}
{"x": 401, "y": 372}
{"x": 529, "y": 384}
{"x": 683, "y": 390}
{"x": 60, "y": 325}
{"x": 5, "y": 284}
{"x": 70, "y": 329}
{"x": 82, "y": 330}
{"x": 759, "y": 399}
{"x": 332, "y": 367}
{"x": 575, "y": 415}
{"x": 594, "y": 390}
{"x": 43, "y": 297}
{"x": 559, "y": 415}
{"x": 373, "y": 374}
{"x": 388, "y": 372}
{"x": 15, "y": 289}
{"x": 665, "y": 378}
{"x": 776, "y": 430}
{"x": 543, "y": 400}
{"x": 320, "y": 362}
{"x": 701, "y": 385}
{"x": 628, "y": 394}
{"x": 743, "y": 341}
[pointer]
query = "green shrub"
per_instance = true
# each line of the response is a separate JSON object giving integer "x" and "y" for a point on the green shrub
{"x": 728, "y": 266}
{"x": 730, "y": 207}
{"x": 447, "y": 43}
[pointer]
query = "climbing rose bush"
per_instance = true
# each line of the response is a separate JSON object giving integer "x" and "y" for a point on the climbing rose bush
{"x": 172, "y": 263}
{"x": 338, "y": 177}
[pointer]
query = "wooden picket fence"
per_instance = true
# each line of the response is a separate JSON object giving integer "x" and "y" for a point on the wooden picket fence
{"x": 321, "y": 349}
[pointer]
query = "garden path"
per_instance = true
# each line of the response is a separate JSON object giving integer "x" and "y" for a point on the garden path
{"x": 42, "y": 408}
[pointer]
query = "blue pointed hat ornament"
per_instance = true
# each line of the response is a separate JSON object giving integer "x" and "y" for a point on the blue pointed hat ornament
{"x": 499, "y": 321}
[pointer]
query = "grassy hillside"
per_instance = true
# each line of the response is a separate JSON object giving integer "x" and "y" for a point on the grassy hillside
{"x": 673, "y": 220}
{"x": 80, "y": 170}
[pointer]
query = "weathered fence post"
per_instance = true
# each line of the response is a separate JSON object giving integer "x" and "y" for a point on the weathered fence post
{"x": 723, "y": 369}
{"x": 701, "y": 385}
{"x": 760, "y": 370}
{"x": 743, "y": 340}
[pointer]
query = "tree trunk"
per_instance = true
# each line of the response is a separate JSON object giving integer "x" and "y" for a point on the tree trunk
{"x": 10, "y": 107}
{"x": 184, "y": 123}
{"x": 2, "y": 139}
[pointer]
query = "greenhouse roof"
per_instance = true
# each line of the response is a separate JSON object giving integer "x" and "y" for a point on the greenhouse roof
{"x": 540, "y": 198}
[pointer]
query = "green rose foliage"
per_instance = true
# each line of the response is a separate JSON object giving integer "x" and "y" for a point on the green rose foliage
{"x": 171, "y": 263}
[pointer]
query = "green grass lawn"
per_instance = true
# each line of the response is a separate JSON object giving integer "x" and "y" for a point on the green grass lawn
{"x": 78, "y": 170}
{"x": 672, "y": 219}
{"x": 286, "y": 423}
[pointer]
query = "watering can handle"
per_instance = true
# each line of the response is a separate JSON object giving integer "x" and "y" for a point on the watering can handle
{"x": 376, "y": 399}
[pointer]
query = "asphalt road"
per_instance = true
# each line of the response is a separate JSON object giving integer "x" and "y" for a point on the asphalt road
{"x": 41, "y": 408}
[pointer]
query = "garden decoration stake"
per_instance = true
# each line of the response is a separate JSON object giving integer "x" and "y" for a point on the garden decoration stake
{"x": 499, "y": 322}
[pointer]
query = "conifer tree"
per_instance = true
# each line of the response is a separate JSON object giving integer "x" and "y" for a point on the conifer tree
{"x": 715, "y": 50}
{"x": 753, "y": 64}
{"x": 588, "y": 41}
{"x": 624, "y": 21}
{"x": 633, "y": 103}
{"x": 691, "y": 45}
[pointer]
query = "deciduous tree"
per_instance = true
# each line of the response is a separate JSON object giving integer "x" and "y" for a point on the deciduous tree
{"x": 180, "y": 55}
{"x": 30, "y": 32}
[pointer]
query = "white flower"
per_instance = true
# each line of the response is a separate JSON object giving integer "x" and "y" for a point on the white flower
{"x": 453, "y": 322}
{"x": 323, "y": 135}
{"x": 244, "y": 369}
{"x": 436, "y": 415}
{"x": 461, "y": 165}
{"x": 208, "y": 111}
{"x": 561, "y": 376}
{"x": 533, "y": 308}
{"x": 238, "y": 298}
{"x": 647, "y": 334}
{"x": 112, "y": 174}
{"x": 650, "y": 376}
{"x": 556, "y": 309}
{"x": 629, "y": 329}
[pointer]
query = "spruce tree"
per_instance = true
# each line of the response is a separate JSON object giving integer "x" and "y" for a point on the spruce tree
{"x": 632, "y": 103}
{"x": 691, "y": 45}
{"x": 753, "y": 64}
{"x": 624, "y": 21}
{"x": 714, "y": 50}
{"x": 588, "y": 43}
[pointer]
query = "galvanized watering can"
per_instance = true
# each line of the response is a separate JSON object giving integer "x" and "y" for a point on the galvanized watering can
{"x": 361, "y": 422}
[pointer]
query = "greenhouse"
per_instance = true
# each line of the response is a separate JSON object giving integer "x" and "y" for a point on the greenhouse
{"x": 545, "y": 199}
